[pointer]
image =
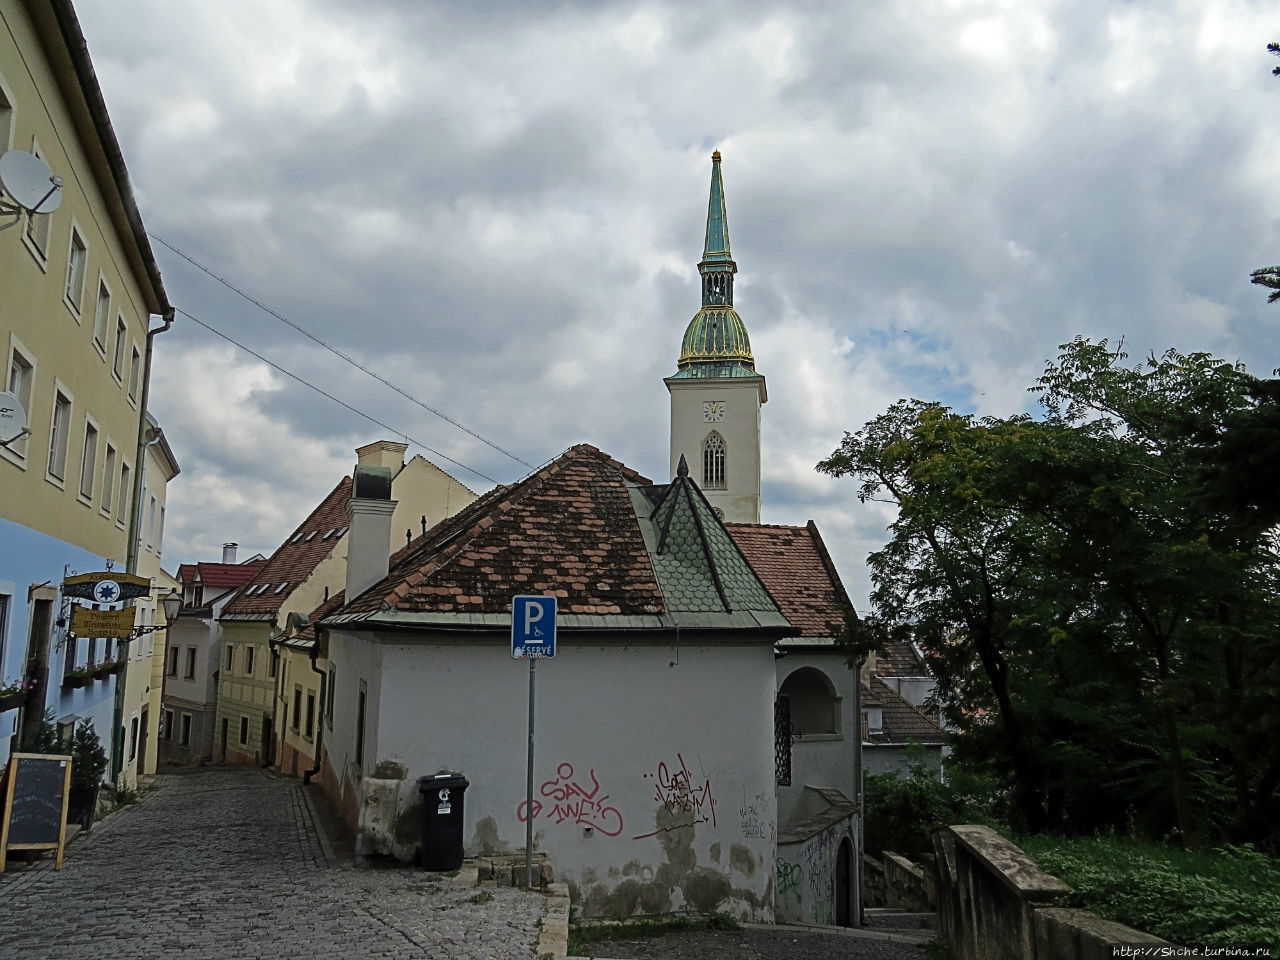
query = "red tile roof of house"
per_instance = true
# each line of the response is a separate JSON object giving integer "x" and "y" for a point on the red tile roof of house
{"x": 902, "y": 722}
{"x": 569, "y": 529}
{"x": 221, "y": 574}
{"x": 797, "y": 570}
{"x": 900, "y": 659}
{"x": 293, "y": 561}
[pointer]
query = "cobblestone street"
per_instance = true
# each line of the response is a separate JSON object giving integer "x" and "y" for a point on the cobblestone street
{"x": 227, "y": 864}
{"x": 760, "y": 943}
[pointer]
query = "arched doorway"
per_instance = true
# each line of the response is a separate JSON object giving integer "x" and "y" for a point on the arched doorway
{"x": 844, "y": 884}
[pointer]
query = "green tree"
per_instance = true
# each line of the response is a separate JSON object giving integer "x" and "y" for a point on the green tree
{"x": 1092, "y": 620}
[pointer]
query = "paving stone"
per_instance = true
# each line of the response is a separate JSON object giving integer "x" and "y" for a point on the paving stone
{"x": 227, "y": 863}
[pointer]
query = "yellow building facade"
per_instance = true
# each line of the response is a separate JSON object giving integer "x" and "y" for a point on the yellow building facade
{"x": 270, "y": 690}
{"x": 80, "y": 286}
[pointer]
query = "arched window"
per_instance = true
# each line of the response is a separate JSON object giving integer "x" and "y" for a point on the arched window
{"x": 713, "y": 462}
{"x": 815, "y": 708}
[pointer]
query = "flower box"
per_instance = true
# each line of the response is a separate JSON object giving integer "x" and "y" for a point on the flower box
{"x": 10, "y": 701}
{"x": 77, "y": 680}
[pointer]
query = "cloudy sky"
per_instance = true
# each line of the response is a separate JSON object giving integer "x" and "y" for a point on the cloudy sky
{"x": 499, "y": 207}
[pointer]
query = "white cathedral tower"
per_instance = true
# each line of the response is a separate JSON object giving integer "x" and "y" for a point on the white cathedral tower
{"x": 716, "y": 393}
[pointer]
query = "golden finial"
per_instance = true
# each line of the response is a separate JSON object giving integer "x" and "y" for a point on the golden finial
{"x": 716, "y": 155}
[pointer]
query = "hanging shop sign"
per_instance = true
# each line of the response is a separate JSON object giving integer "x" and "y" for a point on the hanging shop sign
{"x": 87, "y": 622}
{"x": 106, "y": 587}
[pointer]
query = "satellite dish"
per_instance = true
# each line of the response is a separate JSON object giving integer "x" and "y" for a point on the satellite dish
{"x": 13, "y": 419}
{"x": 30, "y": 182}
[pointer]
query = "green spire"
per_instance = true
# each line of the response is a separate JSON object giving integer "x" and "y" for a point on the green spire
{"x": 716, "y": 249}
{"x": 715, "y": 343}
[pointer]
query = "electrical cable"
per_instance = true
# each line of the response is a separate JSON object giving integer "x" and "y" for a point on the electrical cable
{"x": 334, "y": 350}
{"x": 329, "y": 396}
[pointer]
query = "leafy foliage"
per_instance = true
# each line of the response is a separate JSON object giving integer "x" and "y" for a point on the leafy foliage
{"x": 1096, "y": 590}
{"x": 1223, "y": 898}
{"x": 88, "y": 759}
{"x": 903, "y": 811}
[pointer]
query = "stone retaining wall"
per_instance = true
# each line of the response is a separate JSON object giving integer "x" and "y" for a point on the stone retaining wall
{"x": 995, "y": 903}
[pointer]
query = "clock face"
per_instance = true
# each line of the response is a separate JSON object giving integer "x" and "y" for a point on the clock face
{"x": 713, "y": 411}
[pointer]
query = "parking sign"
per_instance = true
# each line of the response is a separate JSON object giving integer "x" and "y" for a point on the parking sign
{"x": 533, "y": 627}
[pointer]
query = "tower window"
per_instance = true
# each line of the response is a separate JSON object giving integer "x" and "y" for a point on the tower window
{"x": 713, "y": 462}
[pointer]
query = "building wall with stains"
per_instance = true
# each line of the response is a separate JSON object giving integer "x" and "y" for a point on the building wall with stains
{"x": 653, "y": 774}
{"x": 813, "y": 880}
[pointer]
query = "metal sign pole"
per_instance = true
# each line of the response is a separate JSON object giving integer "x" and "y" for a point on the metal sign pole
{"x": 528, "y": 820}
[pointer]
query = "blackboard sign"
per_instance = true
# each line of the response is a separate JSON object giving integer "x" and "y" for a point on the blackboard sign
{"x": 34, "y": 814}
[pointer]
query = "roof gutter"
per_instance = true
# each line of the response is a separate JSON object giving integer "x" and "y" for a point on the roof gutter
{"x": 135, "y": 528}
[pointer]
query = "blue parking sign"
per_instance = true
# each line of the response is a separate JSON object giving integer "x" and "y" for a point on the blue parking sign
{"x": 533, "y": 627}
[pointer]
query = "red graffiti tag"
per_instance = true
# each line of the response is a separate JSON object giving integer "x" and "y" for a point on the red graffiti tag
{"x": 574, "y": 803}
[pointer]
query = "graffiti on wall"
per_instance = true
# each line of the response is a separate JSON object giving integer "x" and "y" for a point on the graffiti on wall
{"x": 790, "y": 876}
{"x": 752, "y": 816}
{"x": 575, "y": 802}
{"x": 675, "y": 791}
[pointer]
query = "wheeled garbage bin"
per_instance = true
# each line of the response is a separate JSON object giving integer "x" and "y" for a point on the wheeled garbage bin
{"x": 442, "y": 820}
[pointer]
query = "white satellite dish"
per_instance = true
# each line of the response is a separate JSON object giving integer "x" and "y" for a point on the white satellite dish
{"x": 30, "y": 182}
{"x": 13, "y": 419}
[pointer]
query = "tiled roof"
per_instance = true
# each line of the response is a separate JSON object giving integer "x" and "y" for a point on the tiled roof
{"x": 569, "y": 530}
{"x": 591, "y": 531}
{"x": 227, "y": 574}
{"x": 794, "y": 564}
{"x": 903, "y": 723}
{"x": 900, "y": 659}
{"x": 699, "y": 567}
{"x": 293, "y": 561}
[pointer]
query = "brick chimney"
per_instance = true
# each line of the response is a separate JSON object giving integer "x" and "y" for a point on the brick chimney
{"x": 229, "y": 552}
{"x": 369, "y": 512}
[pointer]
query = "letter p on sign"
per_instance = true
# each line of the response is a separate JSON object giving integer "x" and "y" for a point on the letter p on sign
{"x": 533, "y": 627}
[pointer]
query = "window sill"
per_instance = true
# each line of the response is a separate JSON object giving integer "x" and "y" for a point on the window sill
{"x": 101, "y": 348}
{"x": 85, "y": 501}
{"x": 72, "y": 309}
{"x": 817, "y": 737}
{"x": 55, "y": 480}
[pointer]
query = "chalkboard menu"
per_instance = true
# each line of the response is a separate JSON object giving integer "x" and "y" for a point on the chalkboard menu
{"x": 35, "y": 804}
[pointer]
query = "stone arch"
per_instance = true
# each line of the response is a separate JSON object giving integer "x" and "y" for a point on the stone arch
{"x": 815, "y": 706}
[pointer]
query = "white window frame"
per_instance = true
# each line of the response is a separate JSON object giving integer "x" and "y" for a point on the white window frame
{"x": 110, "y": 466}
{"x": 135, "y": 373}
{"x": 7, "y": 114}
{"x": 124, "y": 500}
{"x": 77, "y": 270}
{"x": 60, "y": 390}
{"x": 39, "y": 227}
{"x": 16, "y": 452}
{"x": 122, "y": 340}
{"x": 88, "y": 468}
{"x": 102, "y": 316}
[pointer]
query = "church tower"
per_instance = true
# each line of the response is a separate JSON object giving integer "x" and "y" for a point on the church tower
{"x": 715, "y": 392}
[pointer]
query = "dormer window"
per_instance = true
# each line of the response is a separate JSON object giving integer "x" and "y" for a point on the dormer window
{"x": 297, "y": 536}
{"x": 329, "y": 533}
{"x": 281, "y": 589}
{"x": 309, "y": 537}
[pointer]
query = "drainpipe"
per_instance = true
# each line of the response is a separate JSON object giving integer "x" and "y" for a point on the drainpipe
{"x": 135, "y": 527}
{"x": 860, "y": 815}
{"x": 324, "y": 677}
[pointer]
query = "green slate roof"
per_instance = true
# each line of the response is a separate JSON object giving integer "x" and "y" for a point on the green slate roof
{"x": 699, "y": 567}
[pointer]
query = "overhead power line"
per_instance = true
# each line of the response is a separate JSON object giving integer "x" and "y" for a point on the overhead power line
{"x": 341, "y": 403}
{"x": 335, "y": 351}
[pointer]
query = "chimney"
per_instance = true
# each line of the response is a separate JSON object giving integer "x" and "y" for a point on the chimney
{"x": 369, "y": 514}
{"x": 383, "y": 453}
{"x": 229, "y": 552}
